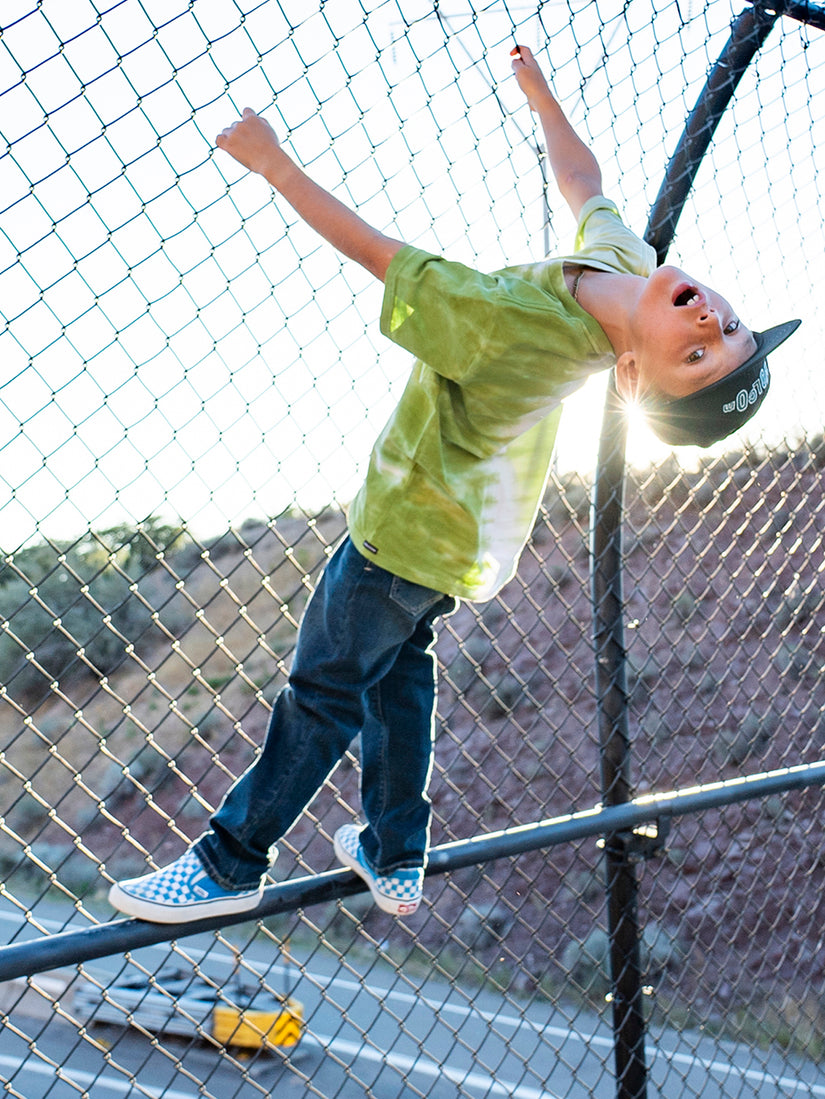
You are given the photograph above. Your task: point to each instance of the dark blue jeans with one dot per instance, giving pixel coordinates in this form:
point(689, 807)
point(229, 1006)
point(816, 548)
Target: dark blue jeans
point(363, 664)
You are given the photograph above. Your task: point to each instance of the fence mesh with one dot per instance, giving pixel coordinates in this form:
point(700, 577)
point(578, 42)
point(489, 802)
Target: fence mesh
point(191, 385)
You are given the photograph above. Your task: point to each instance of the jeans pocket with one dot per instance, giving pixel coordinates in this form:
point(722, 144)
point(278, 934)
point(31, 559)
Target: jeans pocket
point(415, 599)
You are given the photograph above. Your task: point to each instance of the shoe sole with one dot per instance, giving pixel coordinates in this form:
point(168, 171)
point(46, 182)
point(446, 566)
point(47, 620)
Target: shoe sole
point(386, 904)
point(180, 913)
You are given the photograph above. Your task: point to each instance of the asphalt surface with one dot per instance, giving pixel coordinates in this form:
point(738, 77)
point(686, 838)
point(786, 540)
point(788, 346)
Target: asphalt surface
point(368, 1033)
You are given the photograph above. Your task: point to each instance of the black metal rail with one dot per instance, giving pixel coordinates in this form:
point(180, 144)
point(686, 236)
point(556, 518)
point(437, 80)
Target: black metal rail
point(72, 947)
point(748, 34)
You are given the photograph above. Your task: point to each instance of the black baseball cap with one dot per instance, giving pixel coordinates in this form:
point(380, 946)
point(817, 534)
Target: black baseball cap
point(713, 413)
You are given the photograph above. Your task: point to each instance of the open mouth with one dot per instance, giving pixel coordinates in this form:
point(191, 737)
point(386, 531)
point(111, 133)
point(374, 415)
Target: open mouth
point(687, 295)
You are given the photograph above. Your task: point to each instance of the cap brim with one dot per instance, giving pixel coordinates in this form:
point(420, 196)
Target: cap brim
point(769, 340)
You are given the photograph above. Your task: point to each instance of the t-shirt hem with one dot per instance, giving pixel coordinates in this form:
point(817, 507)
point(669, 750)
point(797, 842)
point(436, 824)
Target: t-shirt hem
point(398, 566)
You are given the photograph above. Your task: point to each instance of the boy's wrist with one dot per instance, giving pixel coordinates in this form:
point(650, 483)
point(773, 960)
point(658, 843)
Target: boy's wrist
point(545, 103)
point(279, 169)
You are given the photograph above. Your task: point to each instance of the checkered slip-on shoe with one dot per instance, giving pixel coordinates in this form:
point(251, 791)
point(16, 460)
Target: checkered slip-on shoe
point(398, 892)
point(179, 892)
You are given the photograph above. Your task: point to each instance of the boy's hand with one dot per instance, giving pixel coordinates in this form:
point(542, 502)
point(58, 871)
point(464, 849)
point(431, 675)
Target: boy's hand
point(575, 168)
point(252, 142)
point(530, 78)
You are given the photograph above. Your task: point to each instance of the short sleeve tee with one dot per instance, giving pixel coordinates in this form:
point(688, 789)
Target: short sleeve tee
point(457, 475)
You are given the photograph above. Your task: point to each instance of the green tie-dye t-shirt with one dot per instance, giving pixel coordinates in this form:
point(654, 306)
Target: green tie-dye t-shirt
point(457, 475)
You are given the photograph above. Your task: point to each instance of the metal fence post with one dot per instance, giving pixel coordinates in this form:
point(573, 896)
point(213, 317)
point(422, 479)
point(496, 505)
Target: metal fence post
point(620, 874)
point(748, 33)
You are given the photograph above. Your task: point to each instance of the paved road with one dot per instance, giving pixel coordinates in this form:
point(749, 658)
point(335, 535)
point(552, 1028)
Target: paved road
point(369, 1033)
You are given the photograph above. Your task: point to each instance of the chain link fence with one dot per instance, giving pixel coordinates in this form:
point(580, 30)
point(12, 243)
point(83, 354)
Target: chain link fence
point(191, 385)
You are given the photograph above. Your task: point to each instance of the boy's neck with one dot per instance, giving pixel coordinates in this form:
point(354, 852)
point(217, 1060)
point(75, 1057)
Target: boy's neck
point(610, 298)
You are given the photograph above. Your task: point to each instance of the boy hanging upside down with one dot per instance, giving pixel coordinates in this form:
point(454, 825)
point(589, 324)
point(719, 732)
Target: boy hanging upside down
point(450, 497)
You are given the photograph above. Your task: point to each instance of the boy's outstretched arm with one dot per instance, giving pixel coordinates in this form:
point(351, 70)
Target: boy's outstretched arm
point(253, 143)
point(576, 170)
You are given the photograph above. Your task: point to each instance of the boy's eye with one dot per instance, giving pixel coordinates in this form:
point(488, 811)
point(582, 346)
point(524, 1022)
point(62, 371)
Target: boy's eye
point(699, 353)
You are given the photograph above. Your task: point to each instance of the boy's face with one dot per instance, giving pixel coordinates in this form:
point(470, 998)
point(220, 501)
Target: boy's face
point(685, 336)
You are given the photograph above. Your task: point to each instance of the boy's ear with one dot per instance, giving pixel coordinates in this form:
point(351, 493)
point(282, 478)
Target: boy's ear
point(627, 375)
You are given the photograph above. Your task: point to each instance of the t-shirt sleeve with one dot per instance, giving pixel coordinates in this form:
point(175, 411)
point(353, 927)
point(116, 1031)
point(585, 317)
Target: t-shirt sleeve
point(604, 240)
point(460, 321)
point(437, 309)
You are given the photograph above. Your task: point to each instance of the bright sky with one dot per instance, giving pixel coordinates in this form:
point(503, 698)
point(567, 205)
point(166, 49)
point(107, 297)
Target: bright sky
point(175, 343)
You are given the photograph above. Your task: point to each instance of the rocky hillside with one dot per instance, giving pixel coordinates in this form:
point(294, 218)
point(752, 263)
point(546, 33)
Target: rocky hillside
point(724, 587)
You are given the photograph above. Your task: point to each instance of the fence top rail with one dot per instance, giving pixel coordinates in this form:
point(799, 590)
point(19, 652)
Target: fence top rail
point(25, 959)
point(804, 11)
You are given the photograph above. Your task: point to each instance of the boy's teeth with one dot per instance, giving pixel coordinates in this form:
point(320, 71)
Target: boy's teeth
point(684, 299)
point(688, 296)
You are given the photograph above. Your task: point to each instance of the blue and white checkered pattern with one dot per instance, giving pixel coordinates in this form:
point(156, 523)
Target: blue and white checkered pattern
point(398, 892)
point(179, 892)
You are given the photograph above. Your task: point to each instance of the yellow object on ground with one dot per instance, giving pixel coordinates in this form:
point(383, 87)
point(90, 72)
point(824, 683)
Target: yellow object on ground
point(252, 1028)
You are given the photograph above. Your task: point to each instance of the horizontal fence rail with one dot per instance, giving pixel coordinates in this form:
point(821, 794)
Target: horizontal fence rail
point(118, 937)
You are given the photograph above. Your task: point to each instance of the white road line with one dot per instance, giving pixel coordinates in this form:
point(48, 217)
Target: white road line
point(408, 1065)
point(725, 1068)
point(86, 1079)
point(685, 1060)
